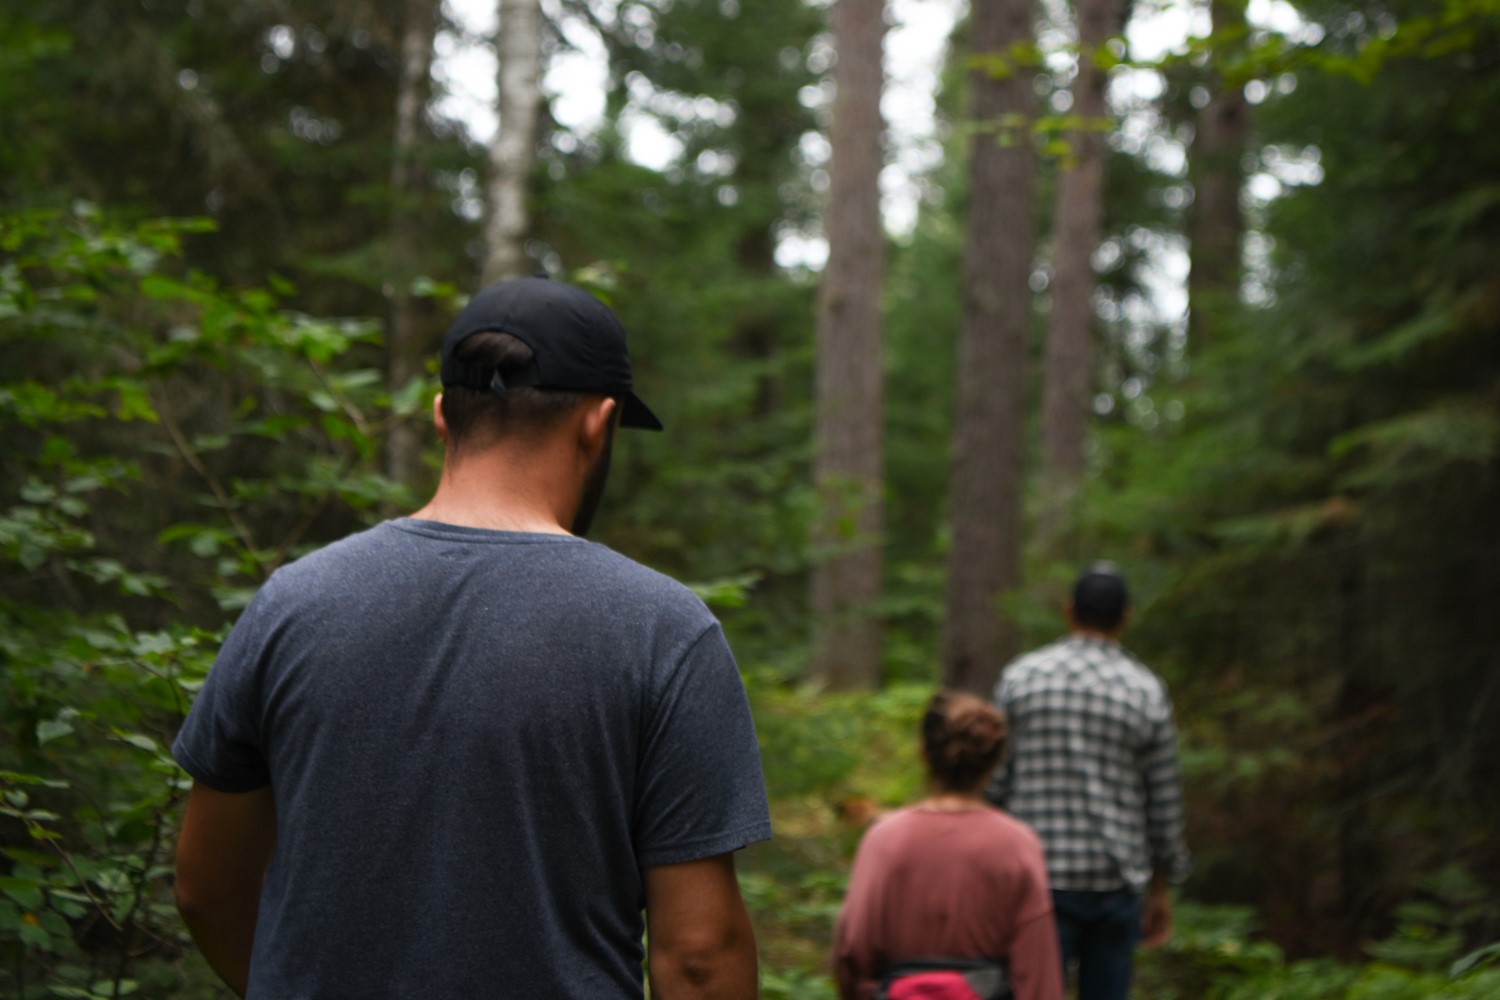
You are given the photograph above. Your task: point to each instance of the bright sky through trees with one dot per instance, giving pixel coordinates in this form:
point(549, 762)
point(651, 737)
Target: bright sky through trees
point(575, 81)
point(914, 50)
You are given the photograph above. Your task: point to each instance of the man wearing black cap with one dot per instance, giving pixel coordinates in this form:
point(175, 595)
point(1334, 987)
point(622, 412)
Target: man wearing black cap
point(458, 754)
point(1093, 769)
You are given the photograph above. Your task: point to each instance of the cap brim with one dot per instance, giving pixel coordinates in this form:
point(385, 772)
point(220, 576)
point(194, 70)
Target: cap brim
point(634, 413)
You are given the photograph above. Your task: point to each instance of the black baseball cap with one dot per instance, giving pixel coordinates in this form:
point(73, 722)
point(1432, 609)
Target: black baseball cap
point(578, 343)
point(1101, 588)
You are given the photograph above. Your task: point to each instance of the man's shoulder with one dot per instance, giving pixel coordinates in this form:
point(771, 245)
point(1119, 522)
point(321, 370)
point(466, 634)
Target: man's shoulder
point(367, 542)
point(615, 566)
point(633, 590)
point(1128, 669)
point(1046, 659)
point(401, 552)
point(312, 571)
point(1082, 662)
point(400, 537)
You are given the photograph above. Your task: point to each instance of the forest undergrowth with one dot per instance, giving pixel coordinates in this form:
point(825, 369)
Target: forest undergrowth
point(171, 440)
point(834, 762)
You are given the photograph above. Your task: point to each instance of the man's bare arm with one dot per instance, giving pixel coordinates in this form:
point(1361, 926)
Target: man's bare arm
point(700, 942)
point(222, 856)
point(1156, 914)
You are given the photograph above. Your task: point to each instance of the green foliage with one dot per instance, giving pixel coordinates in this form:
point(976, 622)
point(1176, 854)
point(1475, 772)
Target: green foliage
point(1217, 955)
point(1309, 540)
point(123, 538)
point(797, 984)
point(838, 745)
point(721, 337)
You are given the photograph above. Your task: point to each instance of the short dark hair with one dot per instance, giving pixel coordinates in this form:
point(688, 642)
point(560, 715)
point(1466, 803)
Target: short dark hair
point(963, 738)
point(1100, 597)
point(475, 416)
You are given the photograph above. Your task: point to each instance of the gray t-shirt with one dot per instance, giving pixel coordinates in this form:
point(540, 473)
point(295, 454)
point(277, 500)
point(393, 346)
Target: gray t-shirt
point(476, 741)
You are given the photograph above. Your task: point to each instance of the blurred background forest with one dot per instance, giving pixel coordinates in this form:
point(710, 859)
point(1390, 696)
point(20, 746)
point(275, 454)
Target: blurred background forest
point(1225, 310)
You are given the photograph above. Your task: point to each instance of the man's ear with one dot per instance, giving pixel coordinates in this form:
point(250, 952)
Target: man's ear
point(593, 428)
point(438, 420)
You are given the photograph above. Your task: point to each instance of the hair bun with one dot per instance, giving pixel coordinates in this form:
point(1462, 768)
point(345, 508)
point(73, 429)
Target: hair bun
point(963, 738)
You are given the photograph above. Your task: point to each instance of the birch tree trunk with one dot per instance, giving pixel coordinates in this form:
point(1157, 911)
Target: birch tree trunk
point(405, 345)
point(1067, 389)
point(849, 466)
point(513, 151)
point(1216, 223)
point(988, 459)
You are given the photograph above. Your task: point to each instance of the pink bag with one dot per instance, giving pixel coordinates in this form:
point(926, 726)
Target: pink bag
point(945, 979)
point(945, 985)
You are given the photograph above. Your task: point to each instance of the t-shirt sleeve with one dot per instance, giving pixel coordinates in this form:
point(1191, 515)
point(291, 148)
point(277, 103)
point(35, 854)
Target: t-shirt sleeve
point(220, 741)
point(700, 791)
point(1035, 964)
point(859, 952)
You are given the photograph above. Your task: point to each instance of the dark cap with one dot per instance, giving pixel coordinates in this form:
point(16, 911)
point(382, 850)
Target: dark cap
point(578, 343)
point(1100, 597)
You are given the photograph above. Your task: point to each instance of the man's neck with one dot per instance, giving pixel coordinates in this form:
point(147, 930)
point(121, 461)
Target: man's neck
point(490, 490)
point(492, 519)
point(1096, 635)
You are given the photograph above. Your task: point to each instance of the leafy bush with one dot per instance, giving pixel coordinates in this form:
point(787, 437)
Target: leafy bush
point(141, 505)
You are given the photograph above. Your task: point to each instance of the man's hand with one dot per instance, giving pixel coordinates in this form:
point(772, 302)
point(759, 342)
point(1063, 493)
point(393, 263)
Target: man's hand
point(222, 855)
point(700, 942)
point(1156, 915)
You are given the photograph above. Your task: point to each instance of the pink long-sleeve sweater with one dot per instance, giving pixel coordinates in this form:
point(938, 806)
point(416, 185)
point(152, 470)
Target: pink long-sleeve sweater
point(931, 883)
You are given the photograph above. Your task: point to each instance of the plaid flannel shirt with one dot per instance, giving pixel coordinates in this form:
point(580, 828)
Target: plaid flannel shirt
point(1093, 767)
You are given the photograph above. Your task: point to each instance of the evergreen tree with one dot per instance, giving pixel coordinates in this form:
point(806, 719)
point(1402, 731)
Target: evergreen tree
point(849, 463)
point(986, 481)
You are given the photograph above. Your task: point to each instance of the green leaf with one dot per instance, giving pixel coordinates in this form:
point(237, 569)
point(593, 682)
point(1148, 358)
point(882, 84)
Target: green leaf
point(37, 492)
point(134, 402)
point(156, 286)
point(206, 543)
point(18, 778)
point(34, 935)
point(51, 729)
point(24, 891)
point(140, 741)
point(1477, 959)
point(409, 399)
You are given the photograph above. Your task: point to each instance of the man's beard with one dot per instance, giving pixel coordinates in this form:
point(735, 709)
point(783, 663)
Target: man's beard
point(593, 487)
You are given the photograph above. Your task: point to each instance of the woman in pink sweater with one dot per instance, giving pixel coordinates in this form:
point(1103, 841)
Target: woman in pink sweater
point(951, 876)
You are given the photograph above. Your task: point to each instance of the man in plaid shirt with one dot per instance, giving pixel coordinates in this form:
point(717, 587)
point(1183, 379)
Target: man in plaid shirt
point(1093, 769)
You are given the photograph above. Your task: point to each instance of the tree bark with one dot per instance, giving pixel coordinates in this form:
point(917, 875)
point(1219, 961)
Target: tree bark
point(988, 460)
point(1216, 224)
point(1067, 389)
point(406, 345)
point(513, 151)
point(849, 466)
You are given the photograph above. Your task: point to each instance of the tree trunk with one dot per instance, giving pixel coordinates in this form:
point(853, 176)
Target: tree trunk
point(988, 460)
point(513, 151)
point(405, 344)
point(1068, 387)
point(849, 466)
point(1216, 224)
